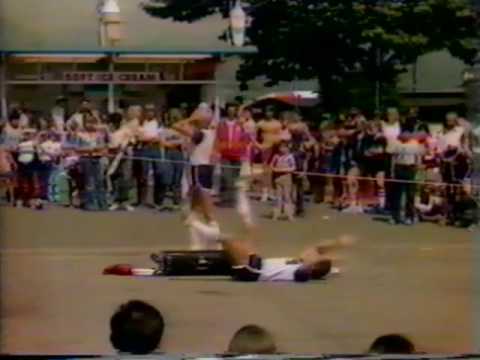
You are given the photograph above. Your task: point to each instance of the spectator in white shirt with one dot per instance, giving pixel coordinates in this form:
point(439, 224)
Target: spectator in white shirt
point(148, 148)
point(58, 114)
point(49, 151)
point(78, 118)
point(391, 130)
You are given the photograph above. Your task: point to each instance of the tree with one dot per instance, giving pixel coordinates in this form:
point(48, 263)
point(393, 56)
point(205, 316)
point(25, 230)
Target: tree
point(330, 39)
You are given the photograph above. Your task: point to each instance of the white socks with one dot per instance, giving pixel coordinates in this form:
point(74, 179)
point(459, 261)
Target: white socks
point(243, 204)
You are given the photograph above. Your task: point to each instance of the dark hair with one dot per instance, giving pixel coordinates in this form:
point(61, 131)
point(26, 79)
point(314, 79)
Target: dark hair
point(321, 269)
point(410, 124)
point(392, 344)
point(231, 104)
point(423, 127)
point(115, 119)
point(252, 339)
point(14, 115)
point(136, 328)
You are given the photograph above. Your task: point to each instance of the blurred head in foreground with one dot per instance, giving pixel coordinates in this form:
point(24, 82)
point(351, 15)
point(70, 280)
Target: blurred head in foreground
point(136, 328)
point(252, 339)
point(392, 344)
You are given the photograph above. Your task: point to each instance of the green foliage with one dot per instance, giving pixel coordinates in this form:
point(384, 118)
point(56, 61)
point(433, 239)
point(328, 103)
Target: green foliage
point(331, 39)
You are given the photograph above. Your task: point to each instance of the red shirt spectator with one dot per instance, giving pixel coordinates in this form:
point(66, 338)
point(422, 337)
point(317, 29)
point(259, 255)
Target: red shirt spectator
point(232, 140)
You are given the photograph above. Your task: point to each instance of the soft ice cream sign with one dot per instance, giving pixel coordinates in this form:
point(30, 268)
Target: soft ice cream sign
point(95, 77)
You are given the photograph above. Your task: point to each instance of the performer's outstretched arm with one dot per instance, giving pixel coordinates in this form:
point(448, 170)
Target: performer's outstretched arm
point(245, 211)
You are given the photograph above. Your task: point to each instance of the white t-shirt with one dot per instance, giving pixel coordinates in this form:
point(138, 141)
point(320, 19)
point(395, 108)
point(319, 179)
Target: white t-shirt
point(407, 153)
point(26, 152)
point(451, 138)
point(24, 121)
point(203, 236)
point(391, 132)
point(76, 118)
point(278, 269)
point(150, 129)
point(202, 153)
point(58, 116)
point(48, 150)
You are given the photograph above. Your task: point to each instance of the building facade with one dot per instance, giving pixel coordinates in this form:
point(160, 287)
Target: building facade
point(50, 48)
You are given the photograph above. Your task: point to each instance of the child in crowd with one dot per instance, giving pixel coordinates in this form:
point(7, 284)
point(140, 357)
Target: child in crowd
point(430, 204)
point(49, 150)
point(283, 166)
point(27, 190)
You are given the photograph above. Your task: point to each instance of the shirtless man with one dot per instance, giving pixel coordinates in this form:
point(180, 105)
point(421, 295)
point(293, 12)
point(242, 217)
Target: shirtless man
point(271, 130)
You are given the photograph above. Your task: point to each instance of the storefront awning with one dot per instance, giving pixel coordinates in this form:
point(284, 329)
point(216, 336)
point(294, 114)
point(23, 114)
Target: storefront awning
point(117, 55)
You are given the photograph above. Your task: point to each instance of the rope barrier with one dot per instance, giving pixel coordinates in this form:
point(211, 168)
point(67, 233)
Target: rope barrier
point(307, 173)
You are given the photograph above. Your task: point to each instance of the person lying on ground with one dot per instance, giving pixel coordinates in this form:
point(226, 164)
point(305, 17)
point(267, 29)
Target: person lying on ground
point(313, 263)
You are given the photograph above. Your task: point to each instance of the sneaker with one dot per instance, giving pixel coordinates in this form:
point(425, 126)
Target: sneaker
point(114, 207)
point(129, 208)
point(19, 204)
point(393, 222)
point(352, 209)
point(408, 222)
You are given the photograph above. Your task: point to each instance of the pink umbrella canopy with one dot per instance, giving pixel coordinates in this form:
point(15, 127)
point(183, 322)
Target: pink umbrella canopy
point(294, 98)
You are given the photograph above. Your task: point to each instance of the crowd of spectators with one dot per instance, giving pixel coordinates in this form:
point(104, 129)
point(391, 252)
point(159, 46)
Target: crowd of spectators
point(142, 156)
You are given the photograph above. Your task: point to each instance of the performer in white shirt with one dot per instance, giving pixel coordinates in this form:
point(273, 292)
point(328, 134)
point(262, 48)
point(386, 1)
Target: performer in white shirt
point(247, 266)
point(204, 229)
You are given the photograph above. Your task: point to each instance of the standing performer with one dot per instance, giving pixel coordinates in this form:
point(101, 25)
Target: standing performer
point(204, 229)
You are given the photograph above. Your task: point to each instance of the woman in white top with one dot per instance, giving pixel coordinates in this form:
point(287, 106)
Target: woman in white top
point(391, 130)
point(204, 229)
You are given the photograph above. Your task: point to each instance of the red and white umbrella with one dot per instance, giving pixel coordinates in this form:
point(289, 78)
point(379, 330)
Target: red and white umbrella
point(293, 98)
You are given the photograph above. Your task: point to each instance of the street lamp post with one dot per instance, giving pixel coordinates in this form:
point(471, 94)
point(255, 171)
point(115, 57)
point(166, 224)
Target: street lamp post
point(238, 23)
point(110, 23)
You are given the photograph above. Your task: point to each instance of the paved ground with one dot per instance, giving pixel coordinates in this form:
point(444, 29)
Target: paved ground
point(417, 281)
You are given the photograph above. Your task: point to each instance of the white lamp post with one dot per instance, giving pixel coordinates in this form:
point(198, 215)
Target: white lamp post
point(238, 22)
point(110, 23)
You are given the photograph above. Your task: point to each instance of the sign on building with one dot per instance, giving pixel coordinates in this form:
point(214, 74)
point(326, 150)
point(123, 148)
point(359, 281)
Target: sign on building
point(97, 77)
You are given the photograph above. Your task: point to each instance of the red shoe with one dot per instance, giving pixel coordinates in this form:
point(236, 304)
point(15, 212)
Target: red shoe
point(119, 269)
